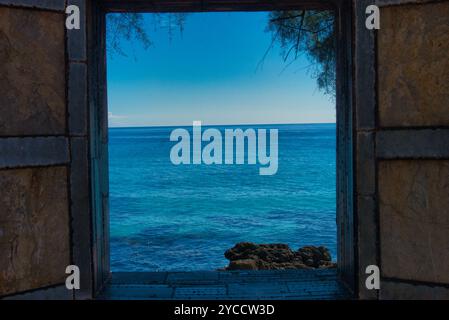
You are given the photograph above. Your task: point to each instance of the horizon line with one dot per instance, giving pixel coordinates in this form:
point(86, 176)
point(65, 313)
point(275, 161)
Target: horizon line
point(211, 125)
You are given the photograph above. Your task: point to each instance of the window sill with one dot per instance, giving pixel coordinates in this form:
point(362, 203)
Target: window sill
point(226, 285)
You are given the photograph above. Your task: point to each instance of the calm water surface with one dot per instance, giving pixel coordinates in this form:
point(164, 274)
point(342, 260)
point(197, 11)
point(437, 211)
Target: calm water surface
point(166, 217)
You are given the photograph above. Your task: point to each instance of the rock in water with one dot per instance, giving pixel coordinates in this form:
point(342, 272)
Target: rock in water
point(278, 256)
point(243, 264)
point(315, 257)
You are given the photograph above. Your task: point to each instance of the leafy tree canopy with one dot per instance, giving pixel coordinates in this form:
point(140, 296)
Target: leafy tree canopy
point(310, 33)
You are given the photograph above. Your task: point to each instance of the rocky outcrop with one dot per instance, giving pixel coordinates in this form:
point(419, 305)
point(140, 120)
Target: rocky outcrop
point(251, 256)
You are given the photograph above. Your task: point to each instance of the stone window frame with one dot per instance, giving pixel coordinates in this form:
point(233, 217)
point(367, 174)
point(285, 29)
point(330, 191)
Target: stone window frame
point(362, 144)
point(98, 257)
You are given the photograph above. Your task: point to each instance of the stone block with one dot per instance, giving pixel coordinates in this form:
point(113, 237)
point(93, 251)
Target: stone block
point(413, 65)
point(32, 81)
point(366, 166)
point(365, 70)
point(414, 219)
point(367, 242)
point(48, 293)
point(34, 228)
point(81, 217)
point(33, 151)
point(39, 4)
point(77, 99)
point(76, 38)
point(420, 143)
point(407, 291)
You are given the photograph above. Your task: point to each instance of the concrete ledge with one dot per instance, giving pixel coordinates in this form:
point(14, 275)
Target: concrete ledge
point(366, 166)
point(198, 5)
point(228, 285)
point(367, 240)
point(59, 292)
point(394, 290)
point(416, 143)
point(29, 151)
point(77, 99)
point(76, 39)
point(81, 218)
point(58, 5)
point(365, 71)
point(384, 3)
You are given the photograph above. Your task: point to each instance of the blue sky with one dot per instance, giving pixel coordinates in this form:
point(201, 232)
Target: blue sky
point(211, 72)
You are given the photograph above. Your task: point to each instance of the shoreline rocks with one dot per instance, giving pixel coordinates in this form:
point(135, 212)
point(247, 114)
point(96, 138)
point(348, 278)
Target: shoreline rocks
point(277, 256)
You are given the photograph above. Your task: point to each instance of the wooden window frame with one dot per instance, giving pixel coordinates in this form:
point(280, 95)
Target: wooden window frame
point(98, 127)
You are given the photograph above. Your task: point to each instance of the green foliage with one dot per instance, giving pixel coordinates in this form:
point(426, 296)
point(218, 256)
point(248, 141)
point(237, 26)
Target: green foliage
point(125, 26)
point(311, 33)
point(134, 27)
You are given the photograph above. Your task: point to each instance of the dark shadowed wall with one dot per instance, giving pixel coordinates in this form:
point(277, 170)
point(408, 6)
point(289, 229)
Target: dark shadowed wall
point(44, 177)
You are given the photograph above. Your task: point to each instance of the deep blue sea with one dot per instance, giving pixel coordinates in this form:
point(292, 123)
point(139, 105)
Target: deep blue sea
point(165, 217)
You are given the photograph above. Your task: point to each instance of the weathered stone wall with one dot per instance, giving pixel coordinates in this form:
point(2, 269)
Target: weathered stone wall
point(414, 219)
point(403, 150)
point(32, 90)
point(34, 219)
point(401, 154)
point(413, 47)
point(34, 206)
point(413, 194)
point(43, 149)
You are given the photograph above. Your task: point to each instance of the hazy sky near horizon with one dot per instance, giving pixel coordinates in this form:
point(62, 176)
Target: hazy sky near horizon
point(211, 72)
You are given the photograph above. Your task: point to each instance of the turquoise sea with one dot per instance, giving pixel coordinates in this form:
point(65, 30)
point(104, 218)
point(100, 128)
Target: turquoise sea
point(165, 217)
